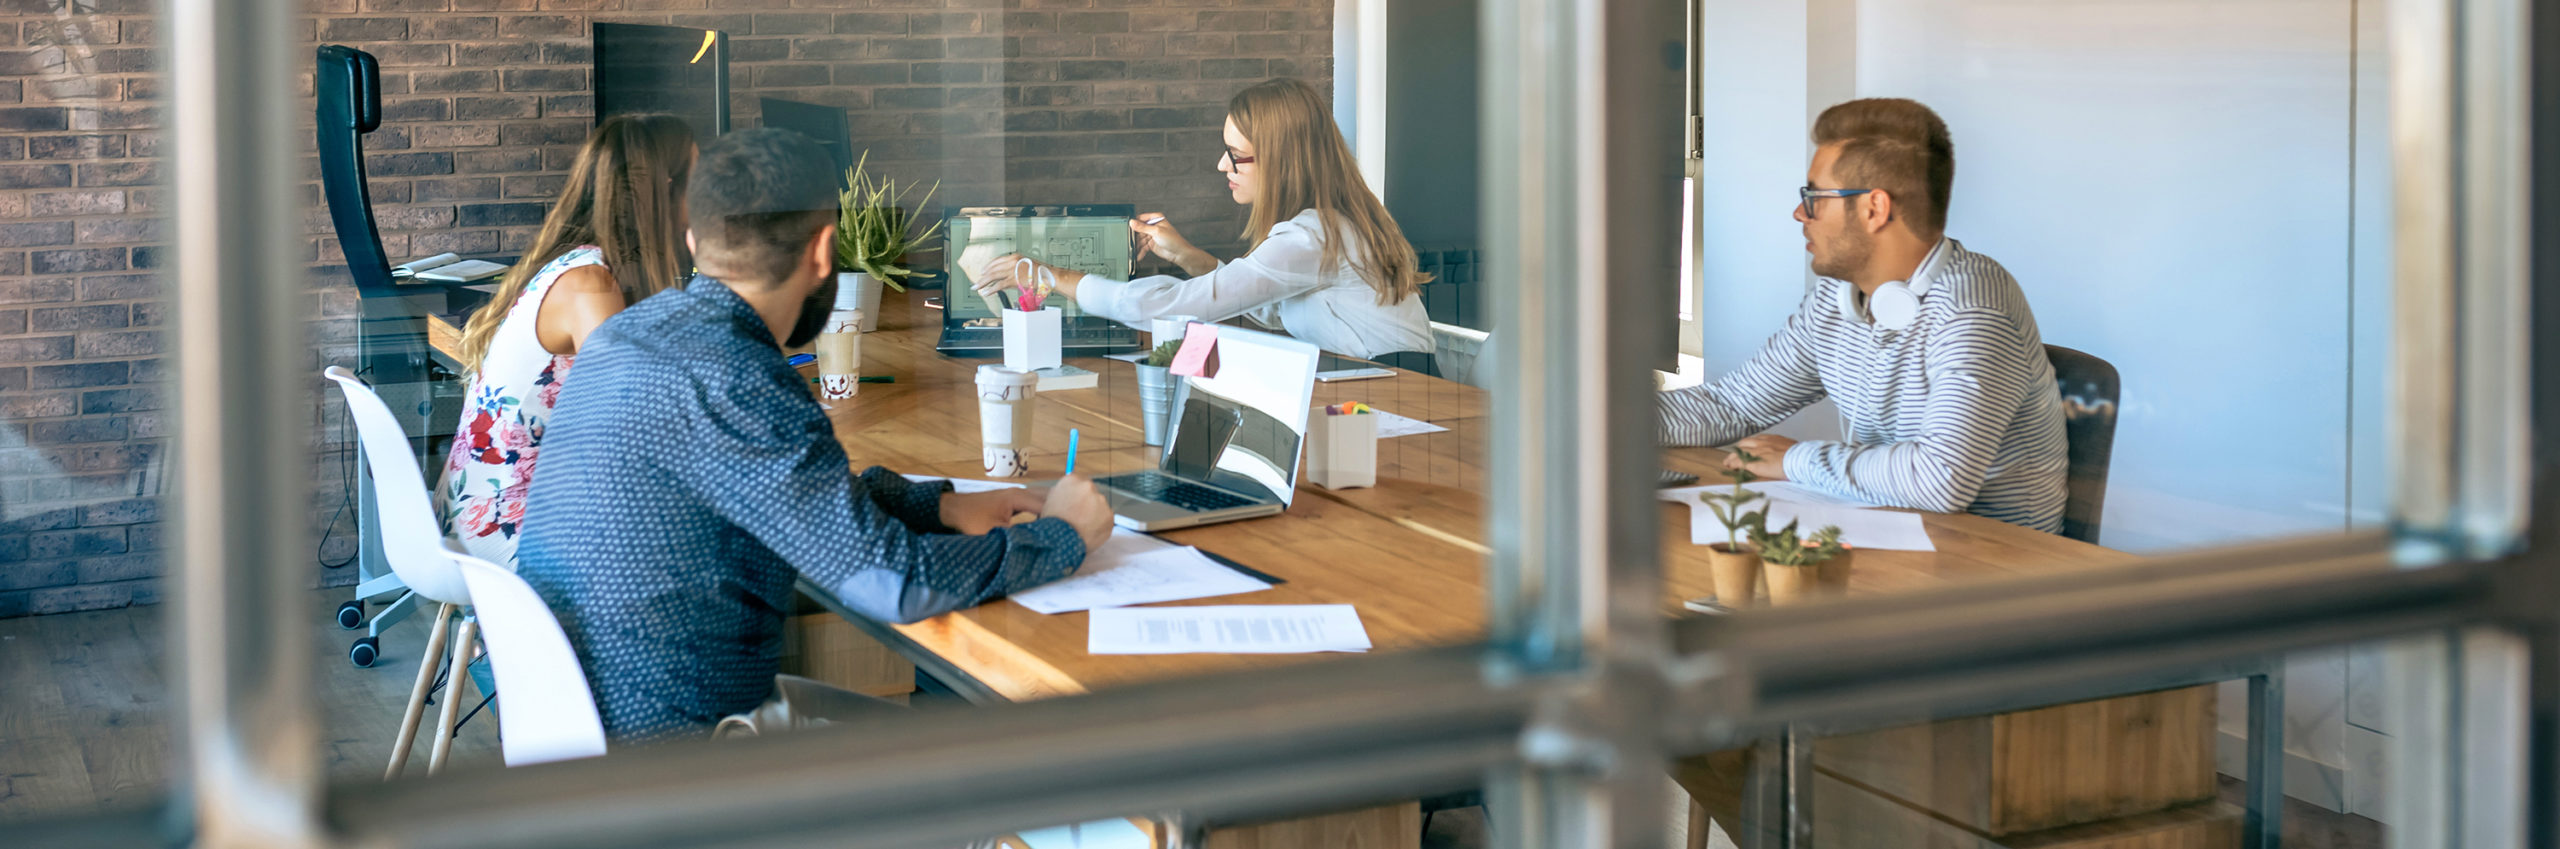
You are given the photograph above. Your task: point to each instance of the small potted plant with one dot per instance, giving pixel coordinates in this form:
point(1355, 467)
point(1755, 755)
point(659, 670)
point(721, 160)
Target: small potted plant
point(1736, 567)
point(872, 240)
point(1155, 390)
point(1794, 561)
point(1832, 576)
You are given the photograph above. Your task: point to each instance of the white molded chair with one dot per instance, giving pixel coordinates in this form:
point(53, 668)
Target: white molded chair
point(414, 544)
point(549, 714)
point(1465, 355)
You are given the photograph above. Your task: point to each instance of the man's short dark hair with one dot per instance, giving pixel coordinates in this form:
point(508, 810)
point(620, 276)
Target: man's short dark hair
point(756, 199)
point(1896, 145)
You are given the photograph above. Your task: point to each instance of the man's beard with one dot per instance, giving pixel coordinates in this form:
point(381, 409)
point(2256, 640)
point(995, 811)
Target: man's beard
point(813, 315)
point(1844, 256)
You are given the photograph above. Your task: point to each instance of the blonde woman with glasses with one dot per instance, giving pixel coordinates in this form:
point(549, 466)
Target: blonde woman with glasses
point(1327, 264)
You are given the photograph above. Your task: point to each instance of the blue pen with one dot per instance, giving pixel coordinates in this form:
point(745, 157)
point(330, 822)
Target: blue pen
point(1072, 436)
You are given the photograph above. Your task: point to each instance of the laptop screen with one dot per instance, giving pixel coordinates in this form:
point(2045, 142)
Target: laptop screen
point(1251, 417)
point(1094, 239)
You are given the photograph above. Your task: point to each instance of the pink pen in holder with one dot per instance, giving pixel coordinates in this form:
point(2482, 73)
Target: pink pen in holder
point(1034, 336)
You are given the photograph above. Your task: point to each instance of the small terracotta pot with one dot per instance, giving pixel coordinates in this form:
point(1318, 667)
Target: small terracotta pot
point(1832, 576)
point(1737, 575)
point(1790, 584)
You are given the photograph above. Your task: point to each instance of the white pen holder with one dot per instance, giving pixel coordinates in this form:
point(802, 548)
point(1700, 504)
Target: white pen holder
point(1032, 339)
point(1342, 451)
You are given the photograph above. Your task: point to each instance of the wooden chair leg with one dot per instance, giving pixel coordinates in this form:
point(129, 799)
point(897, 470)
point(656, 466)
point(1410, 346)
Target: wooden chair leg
point(454, 680)
point(427, 664)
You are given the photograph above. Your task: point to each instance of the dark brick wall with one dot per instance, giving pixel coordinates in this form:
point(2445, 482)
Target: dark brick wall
point(1002, 101)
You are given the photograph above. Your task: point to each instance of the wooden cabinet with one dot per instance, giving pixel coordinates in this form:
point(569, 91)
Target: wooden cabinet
point(2134, 772)
point(824, 647)
point(1847, 815)
point(2041, 769)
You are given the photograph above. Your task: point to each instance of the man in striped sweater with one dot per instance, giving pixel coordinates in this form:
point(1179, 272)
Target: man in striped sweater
point(1946, 398)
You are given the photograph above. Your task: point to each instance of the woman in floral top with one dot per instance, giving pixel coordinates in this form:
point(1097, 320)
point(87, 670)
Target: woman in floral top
point(616, 236)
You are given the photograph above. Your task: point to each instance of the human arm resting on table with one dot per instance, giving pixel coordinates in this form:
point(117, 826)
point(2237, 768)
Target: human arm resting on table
point(1774, 384)
point(875, 540)
point(1975, 378)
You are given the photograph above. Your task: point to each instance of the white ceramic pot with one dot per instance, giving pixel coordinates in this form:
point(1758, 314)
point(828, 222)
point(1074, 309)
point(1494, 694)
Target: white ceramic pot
point(859, 290)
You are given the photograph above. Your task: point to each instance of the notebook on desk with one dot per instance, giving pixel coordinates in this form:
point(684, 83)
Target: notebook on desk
point(1092, 238)
point(446, 268)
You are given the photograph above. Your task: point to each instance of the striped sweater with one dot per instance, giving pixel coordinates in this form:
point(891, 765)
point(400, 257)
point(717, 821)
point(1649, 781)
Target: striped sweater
point(1957, 413)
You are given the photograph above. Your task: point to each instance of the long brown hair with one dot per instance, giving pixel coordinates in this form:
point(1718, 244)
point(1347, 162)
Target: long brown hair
point(625, 195)
point(1306, 165)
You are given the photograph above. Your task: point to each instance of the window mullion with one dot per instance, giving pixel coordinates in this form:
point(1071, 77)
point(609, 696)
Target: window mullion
point(241, 646)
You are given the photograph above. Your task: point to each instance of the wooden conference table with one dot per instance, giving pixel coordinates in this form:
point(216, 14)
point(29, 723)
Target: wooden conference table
point(1408, 553)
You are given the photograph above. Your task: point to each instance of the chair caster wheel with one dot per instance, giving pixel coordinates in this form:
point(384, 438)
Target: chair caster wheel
point(351, 615)
point(365, 651)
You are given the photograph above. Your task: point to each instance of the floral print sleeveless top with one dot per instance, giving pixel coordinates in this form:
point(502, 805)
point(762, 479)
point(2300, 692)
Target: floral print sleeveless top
point(490, 469)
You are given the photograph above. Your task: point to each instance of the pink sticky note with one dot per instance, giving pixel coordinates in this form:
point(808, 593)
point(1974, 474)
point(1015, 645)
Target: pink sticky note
point(1198, 356)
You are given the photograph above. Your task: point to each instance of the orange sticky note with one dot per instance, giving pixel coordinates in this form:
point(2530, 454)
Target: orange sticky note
point(1198, 356)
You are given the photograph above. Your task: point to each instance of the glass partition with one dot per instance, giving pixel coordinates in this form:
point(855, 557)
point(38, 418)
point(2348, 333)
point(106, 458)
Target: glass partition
point(1479, 605)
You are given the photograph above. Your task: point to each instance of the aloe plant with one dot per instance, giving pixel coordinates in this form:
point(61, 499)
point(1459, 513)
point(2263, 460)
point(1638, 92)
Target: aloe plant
point(1728, 507)
point(871, 232)
point(1163, 354)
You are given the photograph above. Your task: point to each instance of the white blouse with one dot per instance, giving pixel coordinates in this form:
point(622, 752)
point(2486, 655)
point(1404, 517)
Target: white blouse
point(1281, 286)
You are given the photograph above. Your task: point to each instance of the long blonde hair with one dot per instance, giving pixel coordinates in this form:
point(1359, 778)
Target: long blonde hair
point(625, 195)
point(1305, 165)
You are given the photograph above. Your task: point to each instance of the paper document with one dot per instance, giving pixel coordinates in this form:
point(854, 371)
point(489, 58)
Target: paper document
point(1771, 490)
point(1860, 528)
point(965, 484)
point(1115, 576)
point(1391, 425)
point(1122, 545)
point(1227, 629)
point(1098, 834)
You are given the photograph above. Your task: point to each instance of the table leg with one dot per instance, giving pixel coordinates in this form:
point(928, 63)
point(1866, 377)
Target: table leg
point(2264, 828)
point(1799, 767)
point(1764, 798)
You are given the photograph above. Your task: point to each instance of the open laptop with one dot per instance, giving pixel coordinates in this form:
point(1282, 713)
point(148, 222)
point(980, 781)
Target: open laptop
point(1092, 238)
point(1235, 443)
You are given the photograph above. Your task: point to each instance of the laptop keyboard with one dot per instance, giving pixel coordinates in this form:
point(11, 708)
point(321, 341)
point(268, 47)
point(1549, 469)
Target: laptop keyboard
point(1157, 486)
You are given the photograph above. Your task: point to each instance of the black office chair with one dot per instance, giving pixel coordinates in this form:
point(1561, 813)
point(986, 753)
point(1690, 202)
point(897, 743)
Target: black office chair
point(2089, 390)
point(348, 83)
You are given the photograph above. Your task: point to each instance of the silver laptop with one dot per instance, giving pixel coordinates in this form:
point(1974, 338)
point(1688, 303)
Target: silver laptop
point(1235, 443)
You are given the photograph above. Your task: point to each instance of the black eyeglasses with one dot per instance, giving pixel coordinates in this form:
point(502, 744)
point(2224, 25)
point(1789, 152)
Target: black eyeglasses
point(1806, 196)
point(1230, 159)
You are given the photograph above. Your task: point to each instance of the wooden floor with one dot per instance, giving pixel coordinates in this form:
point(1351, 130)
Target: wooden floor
point(83, 720)
point(84, 706)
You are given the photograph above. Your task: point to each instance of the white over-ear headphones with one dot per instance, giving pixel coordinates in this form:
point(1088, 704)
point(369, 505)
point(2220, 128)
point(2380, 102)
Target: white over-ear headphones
point(1893, 305)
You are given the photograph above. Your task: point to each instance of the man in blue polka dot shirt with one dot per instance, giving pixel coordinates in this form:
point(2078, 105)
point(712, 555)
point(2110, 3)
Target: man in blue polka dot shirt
point(688, 477)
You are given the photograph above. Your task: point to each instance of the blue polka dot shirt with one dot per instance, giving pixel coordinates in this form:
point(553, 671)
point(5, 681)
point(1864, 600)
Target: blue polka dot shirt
point(688, 478)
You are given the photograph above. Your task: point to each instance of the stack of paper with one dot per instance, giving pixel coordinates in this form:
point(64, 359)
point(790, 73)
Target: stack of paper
point(1227, 629)
point(1134, 568)
point(1860, 526)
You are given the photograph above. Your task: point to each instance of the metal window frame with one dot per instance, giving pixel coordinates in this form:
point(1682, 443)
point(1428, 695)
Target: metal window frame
point(1583, 691)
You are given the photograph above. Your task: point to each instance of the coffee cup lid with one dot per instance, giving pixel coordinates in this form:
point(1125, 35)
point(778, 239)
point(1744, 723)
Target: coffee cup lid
point(1001, 376)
